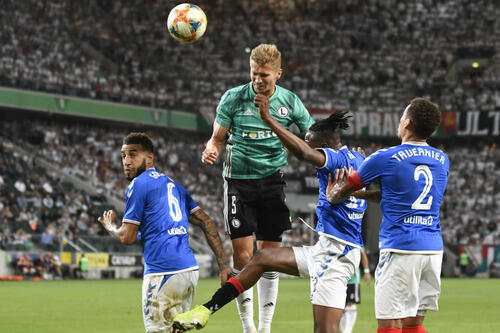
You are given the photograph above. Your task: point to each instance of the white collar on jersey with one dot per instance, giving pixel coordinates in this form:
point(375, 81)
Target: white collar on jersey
point(415, 143)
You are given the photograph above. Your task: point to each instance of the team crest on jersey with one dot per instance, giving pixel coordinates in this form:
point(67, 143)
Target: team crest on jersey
point(235, 223)
point(155, 174)
point(283, 111)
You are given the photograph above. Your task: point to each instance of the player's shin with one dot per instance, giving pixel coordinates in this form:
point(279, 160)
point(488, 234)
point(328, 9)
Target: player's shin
point(342, 322)
point(348, 318)
point(267, 288)
point(244, 303)
point(231, 289)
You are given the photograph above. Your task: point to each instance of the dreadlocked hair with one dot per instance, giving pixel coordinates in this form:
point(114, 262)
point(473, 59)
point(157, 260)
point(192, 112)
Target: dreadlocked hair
point(337, 120)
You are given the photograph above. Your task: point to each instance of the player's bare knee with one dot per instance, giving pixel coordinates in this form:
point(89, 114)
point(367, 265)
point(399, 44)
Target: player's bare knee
point(259, 257)
point(262, 258)
point(241, 258)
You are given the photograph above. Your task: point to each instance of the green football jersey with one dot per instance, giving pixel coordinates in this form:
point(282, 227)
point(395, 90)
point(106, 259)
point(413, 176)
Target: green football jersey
point(253, 150)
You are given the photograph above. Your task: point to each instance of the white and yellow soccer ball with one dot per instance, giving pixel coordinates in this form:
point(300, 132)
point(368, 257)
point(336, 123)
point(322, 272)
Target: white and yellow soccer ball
point(186, 23)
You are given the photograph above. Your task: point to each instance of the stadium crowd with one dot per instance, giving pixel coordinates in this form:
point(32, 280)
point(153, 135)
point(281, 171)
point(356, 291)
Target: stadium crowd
point(471, 205)
point(354, 54)
point(39, 265)
point(36, 206)
point(36, 201)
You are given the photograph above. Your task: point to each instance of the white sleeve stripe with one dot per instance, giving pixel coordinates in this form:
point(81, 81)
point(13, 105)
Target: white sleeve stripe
point(131, 221)
point(326, 158)
point(194, 209)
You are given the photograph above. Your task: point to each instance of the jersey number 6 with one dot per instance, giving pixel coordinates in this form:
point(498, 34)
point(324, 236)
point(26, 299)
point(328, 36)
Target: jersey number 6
point(173, 203)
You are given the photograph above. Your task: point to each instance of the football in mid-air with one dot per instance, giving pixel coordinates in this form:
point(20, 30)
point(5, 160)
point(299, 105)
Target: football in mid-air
point(186, 23)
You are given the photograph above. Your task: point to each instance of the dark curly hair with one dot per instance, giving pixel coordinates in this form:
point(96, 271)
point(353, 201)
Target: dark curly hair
point(337, 120)
point(425, 117)
point(139, 138)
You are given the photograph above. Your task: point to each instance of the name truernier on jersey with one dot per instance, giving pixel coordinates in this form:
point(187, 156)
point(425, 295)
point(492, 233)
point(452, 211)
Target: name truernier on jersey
point(411, 152)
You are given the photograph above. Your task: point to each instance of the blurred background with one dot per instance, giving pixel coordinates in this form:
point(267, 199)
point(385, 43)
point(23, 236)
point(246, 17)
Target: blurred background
point(77, 76)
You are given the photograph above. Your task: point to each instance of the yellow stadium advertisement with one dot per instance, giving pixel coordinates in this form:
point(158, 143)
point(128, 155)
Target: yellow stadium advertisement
point(95, 259)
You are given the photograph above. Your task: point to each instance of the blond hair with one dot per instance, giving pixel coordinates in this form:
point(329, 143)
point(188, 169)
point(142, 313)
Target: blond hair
point(266, 54)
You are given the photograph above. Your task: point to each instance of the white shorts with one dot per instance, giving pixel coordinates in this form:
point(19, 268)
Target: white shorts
point(165, 296)
point(330, 264)
point(407, 285)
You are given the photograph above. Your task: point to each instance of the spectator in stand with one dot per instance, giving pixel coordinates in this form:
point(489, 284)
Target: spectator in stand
point(53, 265)
point(48, 202)
point(20, 237)
point(6, 213)
point(23, 216)
point(20, 186)
point(47, 265)
point(39, 265)
point(24, 266)
point(48, 239)
point(21, 201)
point(5, 238)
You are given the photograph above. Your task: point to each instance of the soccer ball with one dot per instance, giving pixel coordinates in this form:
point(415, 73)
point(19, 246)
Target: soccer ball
point(186, 23)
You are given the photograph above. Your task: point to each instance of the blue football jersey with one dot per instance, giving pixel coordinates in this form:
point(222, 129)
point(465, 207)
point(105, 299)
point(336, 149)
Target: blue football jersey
point(342, 221)
point(413, 179)
point(161, 207)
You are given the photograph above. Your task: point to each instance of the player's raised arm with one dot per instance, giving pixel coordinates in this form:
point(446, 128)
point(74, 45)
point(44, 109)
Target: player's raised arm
point(201, 219)
point(293, 143)
point(335, 183)
point(372, 195)
point(126, 233)
point(214, 145)
point(338, 188)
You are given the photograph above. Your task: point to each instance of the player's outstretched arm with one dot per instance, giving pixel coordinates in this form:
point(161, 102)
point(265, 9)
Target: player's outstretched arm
point(214, 145)
point(293, 143)
point(372, 195)
point(338, 189)
point(201, 219)
point(126, 233)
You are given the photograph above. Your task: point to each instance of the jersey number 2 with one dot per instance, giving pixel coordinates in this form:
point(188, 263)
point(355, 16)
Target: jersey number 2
point(173, 203)
point(426, 172)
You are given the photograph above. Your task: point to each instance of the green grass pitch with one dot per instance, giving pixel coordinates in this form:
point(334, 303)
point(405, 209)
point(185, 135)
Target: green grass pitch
point(109, 306)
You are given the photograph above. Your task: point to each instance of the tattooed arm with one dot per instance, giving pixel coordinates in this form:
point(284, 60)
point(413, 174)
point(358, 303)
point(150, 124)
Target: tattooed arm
point(201, 219)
